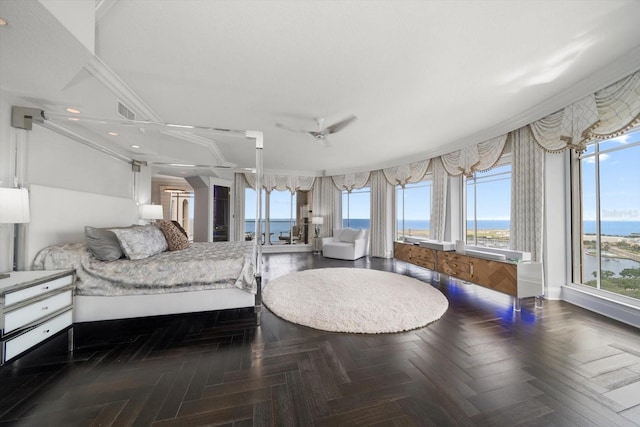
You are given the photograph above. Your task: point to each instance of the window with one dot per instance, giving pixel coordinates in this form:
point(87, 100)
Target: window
point(609, 216)
point(282, 214)
point(356, 208)
point(488, 207)
point(413, 209)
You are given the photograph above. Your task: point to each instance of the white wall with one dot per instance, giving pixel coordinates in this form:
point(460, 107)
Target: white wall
point(47, 158)
point(57, 161)
point(556, 237)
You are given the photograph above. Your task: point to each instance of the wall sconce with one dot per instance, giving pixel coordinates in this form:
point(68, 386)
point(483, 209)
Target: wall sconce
point(14, 209)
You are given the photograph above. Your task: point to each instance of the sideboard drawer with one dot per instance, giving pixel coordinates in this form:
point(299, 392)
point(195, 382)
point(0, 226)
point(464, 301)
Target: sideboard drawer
point(460, 270)
point(423, 257)
point(23, 342)
point(23, 316)
point(37, 290)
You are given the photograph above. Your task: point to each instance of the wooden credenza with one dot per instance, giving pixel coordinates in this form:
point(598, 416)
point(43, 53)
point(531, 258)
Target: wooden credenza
point(518, 279)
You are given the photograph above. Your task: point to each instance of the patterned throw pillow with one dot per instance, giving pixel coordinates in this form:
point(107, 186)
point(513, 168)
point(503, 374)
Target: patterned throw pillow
point(175, 238)
point(141, 242)
point(182, 230)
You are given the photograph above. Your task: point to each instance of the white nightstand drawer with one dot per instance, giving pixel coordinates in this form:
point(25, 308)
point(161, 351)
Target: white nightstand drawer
point(35, 290)
point(32, 312)
point(23, 342)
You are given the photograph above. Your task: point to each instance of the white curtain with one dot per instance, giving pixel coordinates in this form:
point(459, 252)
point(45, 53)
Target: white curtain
point(381, 233)
point(475, 158)
point(351, 181)
point(238, 207)
point(438, 200)
point(325, 197)
point(404, 174)
point(527, 194)
point(282, 182)
point(605, 114)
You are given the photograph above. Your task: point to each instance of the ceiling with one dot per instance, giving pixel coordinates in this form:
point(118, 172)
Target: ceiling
point(422, 77)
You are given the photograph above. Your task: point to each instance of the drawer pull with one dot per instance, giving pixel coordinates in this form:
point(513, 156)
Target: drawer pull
point(471, 265)
point(46, 331)
point(45, 288)
point(45, 308)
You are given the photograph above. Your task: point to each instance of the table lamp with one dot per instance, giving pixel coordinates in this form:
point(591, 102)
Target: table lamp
point(14, 209)
point(317, 221)
point(151, 212)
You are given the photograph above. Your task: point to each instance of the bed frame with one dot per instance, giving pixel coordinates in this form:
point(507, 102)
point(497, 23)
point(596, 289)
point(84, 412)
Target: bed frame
point(53, 222)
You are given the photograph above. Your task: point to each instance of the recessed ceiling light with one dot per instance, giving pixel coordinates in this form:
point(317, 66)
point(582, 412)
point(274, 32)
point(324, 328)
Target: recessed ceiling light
point(3, 22)
point(113, 133)
point(135, 146)
point(74, 119)
point(73, 110)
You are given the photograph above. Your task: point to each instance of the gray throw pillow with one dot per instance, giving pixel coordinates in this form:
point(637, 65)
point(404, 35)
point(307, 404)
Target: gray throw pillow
point(103, 244)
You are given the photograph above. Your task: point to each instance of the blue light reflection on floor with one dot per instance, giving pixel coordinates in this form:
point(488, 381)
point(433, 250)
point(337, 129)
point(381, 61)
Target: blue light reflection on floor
point(501, 305)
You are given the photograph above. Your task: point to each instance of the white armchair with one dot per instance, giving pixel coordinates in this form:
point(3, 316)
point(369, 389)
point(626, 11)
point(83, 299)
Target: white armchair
point(346, 243)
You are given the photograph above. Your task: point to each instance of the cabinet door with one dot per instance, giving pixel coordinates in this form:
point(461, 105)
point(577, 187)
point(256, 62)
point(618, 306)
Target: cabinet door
point(402, 251)
point(499, 276)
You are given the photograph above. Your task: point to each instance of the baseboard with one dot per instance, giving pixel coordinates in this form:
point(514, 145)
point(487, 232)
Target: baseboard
point(624, 313)
point(276, 249)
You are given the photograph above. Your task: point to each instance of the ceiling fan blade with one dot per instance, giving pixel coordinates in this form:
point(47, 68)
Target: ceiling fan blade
point(340, 125)
point(285, 127)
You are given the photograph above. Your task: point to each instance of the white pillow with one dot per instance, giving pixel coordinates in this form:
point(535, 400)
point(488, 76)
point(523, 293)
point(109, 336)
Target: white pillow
point(349, 235)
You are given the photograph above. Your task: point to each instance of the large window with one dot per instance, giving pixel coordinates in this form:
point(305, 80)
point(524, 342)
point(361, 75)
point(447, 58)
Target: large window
point(356, 208)
point(609, 219)
point(283, 216)
point(413, 209)
point(488, 207)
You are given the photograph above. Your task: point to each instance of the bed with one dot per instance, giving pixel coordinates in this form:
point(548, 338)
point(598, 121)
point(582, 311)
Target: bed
point(202, 277)
point(170, 282)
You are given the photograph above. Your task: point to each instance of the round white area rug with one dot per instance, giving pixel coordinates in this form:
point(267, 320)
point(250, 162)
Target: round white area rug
point(354, 300)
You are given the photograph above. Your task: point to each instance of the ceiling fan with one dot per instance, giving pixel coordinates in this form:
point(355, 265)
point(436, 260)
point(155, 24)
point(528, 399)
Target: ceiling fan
point(322, 133)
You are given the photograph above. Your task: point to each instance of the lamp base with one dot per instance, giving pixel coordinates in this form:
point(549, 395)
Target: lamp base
point(4, 275)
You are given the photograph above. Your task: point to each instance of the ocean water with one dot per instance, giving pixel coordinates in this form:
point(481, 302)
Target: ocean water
point(609, 228)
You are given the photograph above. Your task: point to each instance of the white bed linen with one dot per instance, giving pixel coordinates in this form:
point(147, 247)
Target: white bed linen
point(202, 266)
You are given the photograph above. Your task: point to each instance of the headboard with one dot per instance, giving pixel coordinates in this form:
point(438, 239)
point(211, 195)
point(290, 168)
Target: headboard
point(59, 216)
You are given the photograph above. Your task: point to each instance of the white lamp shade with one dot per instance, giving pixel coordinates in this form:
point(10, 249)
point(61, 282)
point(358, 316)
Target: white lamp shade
point(151, 212)
point(317, 220)
point(14, 205)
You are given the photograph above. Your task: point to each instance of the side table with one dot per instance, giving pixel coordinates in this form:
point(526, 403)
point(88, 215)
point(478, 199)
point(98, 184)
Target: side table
point(34, 306)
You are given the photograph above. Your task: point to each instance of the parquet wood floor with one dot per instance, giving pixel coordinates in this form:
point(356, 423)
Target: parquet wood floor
point(481, 364)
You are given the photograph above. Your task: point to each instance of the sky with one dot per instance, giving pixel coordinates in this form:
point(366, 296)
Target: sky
point(619, 180)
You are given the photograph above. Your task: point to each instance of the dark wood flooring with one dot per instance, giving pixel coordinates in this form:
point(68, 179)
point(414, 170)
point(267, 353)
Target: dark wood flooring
point(480, 364)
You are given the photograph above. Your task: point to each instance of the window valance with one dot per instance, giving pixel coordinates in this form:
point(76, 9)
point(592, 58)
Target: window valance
point(351, 181)
point(605, 114)
point(282, 182)
point(475, 158)
point(404, 174)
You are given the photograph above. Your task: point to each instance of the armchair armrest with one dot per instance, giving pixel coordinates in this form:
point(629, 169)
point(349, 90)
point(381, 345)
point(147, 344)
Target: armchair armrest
point(326, 240)
point(360, 246)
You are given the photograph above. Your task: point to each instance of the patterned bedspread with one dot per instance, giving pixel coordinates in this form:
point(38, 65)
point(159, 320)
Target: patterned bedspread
point(202, 266)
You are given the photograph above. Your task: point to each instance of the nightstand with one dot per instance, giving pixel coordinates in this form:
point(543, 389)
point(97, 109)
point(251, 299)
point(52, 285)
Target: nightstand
point(34, 306)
